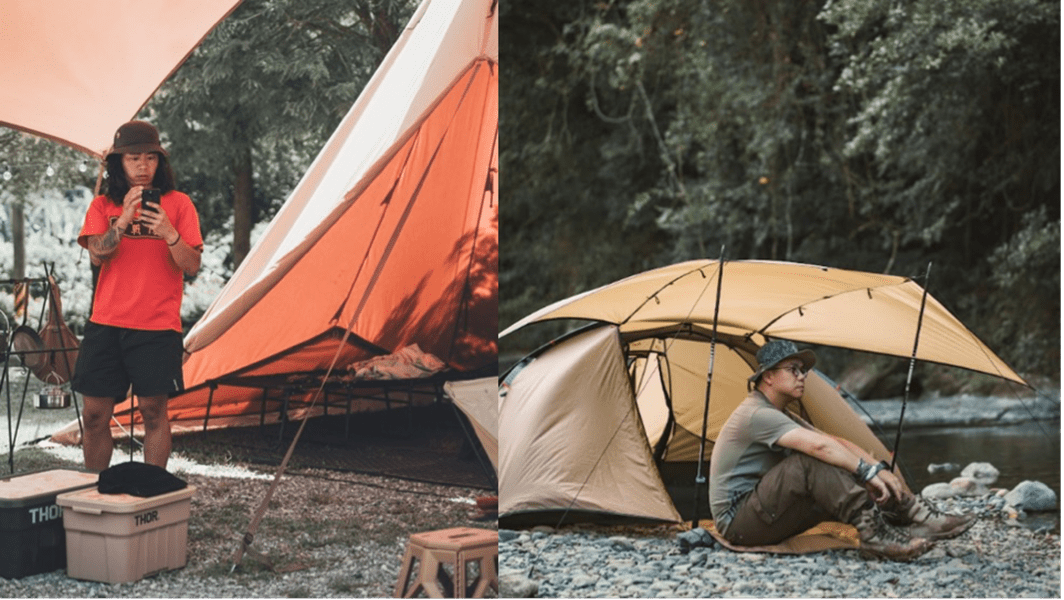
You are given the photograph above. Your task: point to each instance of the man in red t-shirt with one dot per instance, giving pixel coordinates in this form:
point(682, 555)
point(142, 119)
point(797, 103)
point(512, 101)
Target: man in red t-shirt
point(133, 337)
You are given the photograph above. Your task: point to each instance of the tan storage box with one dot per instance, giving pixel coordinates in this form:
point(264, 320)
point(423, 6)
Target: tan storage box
point(117, 538)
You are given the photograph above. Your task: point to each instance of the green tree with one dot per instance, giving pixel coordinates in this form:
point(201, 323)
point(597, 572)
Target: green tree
point(29, 165)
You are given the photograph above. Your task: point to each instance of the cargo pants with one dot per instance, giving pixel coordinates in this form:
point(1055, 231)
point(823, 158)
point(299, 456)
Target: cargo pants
point(793, 496)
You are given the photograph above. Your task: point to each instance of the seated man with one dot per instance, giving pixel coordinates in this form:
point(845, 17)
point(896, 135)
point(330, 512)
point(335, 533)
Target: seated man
point(773, 475)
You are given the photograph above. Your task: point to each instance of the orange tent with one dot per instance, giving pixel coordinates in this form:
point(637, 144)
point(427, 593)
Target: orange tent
point(389, 242)
point(58, 58)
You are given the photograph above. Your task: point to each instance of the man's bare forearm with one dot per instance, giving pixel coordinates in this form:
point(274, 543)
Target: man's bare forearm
point(103, 245)
point(859, 451)
point(186, 257)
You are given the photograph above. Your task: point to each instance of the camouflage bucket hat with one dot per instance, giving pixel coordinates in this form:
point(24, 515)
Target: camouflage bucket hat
point(775, 352)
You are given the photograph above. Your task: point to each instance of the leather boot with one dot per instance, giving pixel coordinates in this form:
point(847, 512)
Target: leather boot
point(883, 540)
point(920, 518)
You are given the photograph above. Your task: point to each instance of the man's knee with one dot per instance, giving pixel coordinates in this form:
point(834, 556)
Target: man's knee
point(154, 411)
point(97, 413)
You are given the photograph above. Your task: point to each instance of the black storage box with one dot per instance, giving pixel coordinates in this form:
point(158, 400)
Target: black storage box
point(32, 537)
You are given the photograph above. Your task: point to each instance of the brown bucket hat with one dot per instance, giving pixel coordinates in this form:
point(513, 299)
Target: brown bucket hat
point(135, 137)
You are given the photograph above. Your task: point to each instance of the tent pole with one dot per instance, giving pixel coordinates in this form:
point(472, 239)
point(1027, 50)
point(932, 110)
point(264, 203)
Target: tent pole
point(912, 363)
point(700, 479)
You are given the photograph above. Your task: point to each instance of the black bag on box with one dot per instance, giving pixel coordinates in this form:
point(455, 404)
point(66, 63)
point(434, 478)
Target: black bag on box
point(139, 479)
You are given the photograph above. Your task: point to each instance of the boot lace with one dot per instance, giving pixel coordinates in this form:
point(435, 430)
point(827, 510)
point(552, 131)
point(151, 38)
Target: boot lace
point(888, 533)
point(932, 510)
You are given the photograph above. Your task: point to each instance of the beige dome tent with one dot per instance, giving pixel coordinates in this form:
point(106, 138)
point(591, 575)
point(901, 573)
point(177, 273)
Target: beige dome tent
point(587, 424)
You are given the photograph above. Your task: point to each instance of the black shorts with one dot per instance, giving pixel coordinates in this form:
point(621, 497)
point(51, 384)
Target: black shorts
point(110, 359)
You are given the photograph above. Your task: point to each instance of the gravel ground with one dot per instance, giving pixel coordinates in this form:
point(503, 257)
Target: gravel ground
point(325, 535)
point(997, 558)
point(327, 532)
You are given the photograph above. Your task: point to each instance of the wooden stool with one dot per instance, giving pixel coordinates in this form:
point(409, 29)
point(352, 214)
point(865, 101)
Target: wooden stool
point(455, 547)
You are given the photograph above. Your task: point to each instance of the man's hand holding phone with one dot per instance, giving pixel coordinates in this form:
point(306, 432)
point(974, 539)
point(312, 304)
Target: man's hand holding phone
point(149, 199)
point(152, 215)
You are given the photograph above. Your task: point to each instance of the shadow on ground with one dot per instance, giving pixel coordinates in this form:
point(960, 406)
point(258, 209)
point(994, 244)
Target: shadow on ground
point(426, 443)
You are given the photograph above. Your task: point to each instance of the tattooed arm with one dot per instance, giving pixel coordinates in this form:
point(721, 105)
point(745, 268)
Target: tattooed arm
point(102, 246)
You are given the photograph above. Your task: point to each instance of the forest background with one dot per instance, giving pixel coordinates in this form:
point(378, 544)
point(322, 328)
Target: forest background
point(866, 134)
point(858, 134)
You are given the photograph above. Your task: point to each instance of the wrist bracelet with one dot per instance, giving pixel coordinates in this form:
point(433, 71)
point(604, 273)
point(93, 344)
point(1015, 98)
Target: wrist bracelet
point(861, 471)
point(872, 471)
point(175, 241)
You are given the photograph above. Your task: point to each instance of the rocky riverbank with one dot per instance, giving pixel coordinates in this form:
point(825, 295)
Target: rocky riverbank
point(997, 558)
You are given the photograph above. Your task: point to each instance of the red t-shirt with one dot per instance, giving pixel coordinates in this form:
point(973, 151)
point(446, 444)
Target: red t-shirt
point(140, 286)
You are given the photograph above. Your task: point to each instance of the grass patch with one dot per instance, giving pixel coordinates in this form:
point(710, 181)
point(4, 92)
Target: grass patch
point(36, 459)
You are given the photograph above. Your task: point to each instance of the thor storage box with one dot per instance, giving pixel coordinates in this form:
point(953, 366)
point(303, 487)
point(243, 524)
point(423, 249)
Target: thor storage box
point(118, 538)
point(31, 524)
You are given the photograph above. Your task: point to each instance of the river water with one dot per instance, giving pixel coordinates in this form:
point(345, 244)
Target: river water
point(1029, 451)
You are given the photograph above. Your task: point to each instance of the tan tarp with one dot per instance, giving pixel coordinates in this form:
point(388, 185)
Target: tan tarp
point(74, 71)
point(392, 233)
point(571, 436)
point(479, 400)
point(803, 303)
point(828, 535)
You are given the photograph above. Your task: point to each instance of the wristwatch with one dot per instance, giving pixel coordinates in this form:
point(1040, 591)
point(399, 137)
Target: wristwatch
point(866, 472)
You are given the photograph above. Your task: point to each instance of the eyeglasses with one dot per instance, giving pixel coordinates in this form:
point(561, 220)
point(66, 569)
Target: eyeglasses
point(795, 370)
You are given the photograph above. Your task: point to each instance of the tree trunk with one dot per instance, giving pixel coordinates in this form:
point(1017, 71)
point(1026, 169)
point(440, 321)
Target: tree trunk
point(242, 205)
point(18, 239)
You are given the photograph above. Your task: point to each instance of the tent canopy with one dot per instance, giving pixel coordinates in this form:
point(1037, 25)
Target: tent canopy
point(58, 58)
point(803, 303)
point(391, 235)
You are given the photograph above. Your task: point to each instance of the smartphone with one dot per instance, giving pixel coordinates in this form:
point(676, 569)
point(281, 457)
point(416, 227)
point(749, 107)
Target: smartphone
point(149, 195)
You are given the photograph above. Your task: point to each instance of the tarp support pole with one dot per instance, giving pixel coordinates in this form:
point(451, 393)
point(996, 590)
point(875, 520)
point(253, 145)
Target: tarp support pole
point(700, 479)
point(912, 364)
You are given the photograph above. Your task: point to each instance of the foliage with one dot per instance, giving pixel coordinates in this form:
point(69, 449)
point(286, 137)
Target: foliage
point(868, 135)
point(29, 164)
